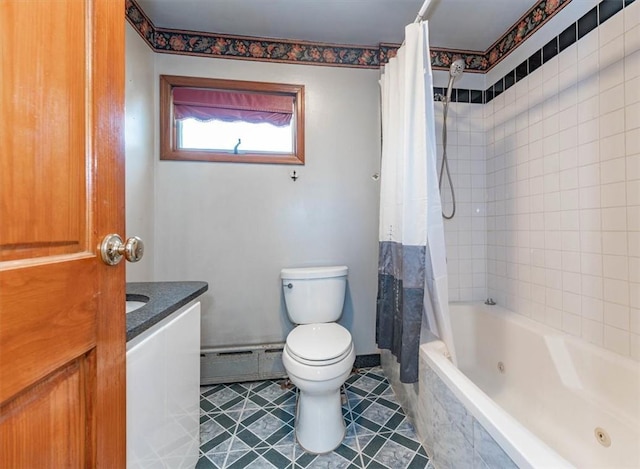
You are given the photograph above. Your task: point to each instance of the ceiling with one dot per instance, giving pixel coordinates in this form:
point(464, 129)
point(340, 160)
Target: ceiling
point(472, 25)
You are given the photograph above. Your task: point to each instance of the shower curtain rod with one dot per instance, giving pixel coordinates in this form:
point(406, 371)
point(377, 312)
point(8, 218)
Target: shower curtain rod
point(423, 10)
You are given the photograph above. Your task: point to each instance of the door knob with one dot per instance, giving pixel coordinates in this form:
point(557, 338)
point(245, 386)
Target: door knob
point(113, 249)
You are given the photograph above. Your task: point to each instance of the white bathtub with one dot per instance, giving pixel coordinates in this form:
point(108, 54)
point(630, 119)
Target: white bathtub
point(541, 395)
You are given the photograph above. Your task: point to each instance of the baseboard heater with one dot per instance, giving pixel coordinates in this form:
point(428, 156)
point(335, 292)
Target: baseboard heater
point(237, 363)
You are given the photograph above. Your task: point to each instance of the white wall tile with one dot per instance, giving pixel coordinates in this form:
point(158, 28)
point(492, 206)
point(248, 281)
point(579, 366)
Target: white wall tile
point(631, 16)
point(634, 295)
point(563, 184)
point(632, 90)
point(634, 347)
point(632, 65)
point(592, 286)
point(611, 53)
point(614, 243)
point(634, 320)
point(633, 243)
point(592, 309)
point(588, 44)
point(571, 324)
point(612, 147)
point(617, 316)
point(632, 40)
point(588, 109)
point(632, 141)
point(613, 171)
point(612, 123)
point(590, 197)
point(614, 219)
point(593, 332)
point(588, 78)
point(588, 131)
point(615, 267)
point(589, 175)
point(613, 195)
point(571, 282)
point(591, 263)
point(611, 99)
point(571, 262)
point(634, 270)
point(616, 340)
point(632, 116)
point(616, 291)
point(588, 153)
point(591, 241)
point(633, 218)
point(611, 29)
point(590, 220)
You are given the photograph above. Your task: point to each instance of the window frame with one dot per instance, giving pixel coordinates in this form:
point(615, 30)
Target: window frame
point(168, 125)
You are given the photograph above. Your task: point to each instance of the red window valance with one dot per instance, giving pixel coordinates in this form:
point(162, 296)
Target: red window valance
point(231, 106)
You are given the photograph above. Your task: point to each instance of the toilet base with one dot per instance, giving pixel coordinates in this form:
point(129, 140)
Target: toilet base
point(319, 427)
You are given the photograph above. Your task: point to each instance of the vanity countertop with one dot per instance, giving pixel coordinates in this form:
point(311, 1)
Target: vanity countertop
point(164, 299)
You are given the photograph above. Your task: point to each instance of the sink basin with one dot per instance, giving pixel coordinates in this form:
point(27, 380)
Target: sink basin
point(135, 302)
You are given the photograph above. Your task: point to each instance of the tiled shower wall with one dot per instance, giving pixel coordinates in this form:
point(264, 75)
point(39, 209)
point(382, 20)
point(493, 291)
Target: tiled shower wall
point(563, 192)
point(465, 233)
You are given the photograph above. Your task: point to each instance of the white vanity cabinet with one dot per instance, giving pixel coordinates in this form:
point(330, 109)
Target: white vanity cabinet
point(163, 393)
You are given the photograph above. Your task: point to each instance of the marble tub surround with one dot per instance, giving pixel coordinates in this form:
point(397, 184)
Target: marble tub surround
point(451, 436)
point(164, 299)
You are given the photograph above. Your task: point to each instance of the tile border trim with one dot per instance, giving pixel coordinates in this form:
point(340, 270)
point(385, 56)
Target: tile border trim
point(591, 20)
point(349, 56)
point(173, 41)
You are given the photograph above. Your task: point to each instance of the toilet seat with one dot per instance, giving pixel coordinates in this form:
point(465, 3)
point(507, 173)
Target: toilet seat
point(319, 344)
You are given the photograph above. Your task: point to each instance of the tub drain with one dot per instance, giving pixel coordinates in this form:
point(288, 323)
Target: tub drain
point(501, 367)
point(602, 436)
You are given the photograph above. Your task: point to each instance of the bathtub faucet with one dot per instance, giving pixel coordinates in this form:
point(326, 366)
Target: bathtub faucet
point(490, 302)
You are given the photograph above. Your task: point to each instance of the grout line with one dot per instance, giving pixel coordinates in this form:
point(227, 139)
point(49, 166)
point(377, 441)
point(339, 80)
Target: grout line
point(355, 430)
point(235, 430)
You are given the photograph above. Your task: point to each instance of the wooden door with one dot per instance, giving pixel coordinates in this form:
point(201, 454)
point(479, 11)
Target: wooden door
point(62, 320)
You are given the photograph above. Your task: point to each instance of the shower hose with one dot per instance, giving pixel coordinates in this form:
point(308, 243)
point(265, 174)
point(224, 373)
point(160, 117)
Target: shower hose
point(445, 163)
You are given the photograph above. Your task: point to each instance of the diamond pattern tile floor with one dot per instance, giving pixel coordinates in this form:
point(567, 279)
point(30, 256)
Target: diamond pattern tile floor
point(251, 425)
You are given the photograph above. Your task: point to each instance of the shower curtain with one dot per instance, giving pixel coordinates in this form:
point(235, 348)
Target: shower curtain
point(412, 272)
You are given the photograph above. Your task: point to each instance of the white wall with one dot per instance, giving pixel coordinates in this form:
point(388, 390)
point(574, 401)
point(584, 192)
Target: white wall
point(559, 184)
point(139, 154)
point(236, 225)
point(563, 180)
point(465, 233)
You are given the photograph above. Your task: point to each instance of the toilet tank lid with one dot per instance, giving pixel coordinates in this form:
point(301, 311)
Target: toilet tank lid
point(314, 272)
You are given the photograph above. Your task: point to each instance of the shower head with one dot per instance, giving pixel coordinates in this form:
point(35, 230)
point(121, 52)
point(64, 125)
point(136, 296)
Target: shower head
point(457, 67)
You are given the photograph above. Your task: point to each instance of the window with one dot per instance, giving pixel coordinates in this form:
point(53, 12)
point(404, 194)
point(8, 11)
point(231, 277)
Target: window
point(204, 119)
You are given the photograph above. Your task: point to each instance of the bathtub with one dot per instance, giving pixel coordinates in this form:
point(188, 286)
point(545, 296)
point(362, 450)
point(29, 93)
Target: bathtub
point(525, 395)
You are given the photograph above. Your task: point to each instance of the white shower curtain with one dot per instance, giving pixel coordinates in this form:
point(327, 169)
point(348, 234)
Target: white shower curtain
point(412, 270)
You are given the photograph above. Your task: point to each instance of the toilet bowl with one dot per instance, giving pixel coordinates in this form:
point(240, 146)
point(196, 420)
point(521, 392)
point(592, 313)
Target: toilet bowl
point(318, 356)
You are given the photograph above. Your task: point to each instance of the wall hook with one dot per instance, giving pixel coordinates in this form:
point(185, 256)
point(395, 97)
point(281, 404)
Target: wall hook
point(293, 175)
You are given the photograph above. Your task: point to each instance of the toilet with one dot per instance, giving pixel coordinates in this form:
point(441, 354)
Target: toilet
point(318, 354)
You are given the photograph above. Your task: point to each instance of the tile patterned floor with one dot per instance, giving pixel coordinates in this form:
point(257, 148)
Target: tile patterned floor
point(250, 425)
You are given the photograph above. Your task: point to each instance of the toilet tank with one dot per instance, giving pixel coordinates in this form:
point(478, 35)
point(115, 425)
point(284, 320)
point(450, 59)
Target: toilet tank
point(314, 294)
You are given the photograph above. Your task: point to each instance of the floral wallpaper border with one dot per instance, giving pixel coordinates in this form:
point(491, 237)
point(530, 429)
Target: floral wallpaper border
point(261, 49)
point(530, 22)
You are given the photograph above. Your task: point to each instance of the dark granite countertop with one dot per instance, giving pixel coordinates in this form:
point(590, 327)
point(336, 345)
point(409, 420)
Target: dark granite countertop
point(164, 299)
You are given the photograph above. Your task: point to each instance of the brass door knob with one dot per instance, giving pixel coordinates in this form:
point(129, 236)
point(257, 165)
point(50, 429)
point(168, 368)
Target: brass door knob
point(113, 249)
